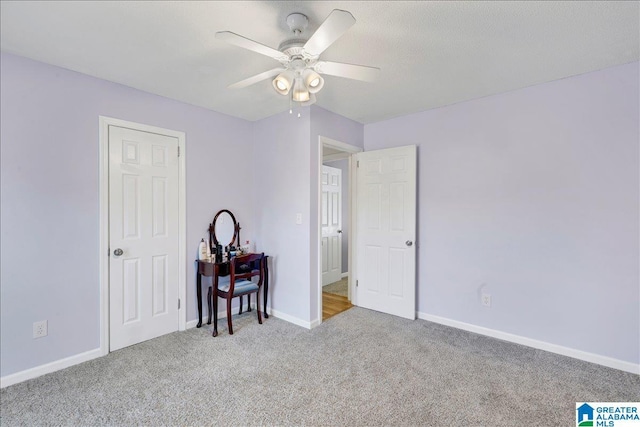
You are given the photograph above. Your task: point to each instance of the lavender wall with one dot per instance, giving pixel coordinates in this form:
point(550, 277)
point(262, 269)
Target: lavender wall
point(49, 198)
point(286, 163)
point(330, 125)
point(281, 153)
point(532, 196)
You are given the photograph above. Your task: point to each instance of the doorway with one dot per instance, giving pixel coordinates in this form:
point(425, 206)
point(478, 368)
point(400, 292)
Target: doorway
point(335, 290)
point(382, 186)
point(142, 232)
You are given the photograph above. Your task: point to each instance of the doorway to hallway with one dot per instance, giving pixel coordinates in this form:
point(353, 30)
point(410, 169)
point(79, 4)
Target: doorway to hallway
point(335, 222)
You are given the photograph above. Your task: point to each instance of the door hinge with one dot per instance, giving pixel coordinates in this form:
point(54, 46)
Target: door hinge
point(109, 252)
point(358, 163)
point(178, 303)
point(178, 151)
point(356, 283)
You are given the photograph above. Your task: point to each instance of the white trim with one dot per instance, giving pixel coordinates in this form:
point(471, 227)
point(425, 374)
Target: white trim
point(193, 323)
point(335, 157)
point(319, 231)
point(222, 315)
point(103, 194)
point(104, 123)
point(540, 345)
point(343, 275)
point(48, 368)
point(338, 145)
point(275, 313)
point(349, 150)
point(288, 318)
point(352, 265)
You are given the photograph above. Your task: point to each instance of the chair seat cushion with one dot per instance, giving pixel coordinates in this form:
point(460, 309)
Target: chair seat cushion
point(240, 287)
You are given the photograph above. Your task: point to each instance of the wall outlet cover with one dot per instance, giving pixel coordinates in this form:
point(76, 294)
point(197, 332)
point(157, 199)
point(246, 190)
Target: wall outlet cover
point(40, 329)
point(486, 300)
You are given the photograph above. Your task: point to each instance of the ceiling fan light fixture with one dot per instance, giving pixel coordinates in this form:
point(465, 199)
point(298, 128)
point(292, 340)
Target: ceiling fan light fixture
point(300, 92)
point(283, 82)
point(299, 75)
point(313, 81)
point(311, 101)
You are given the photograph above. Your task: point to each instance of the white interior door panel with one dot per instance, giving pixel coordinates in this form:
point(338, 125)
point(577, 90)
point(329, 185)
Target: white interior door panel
point(386, 230)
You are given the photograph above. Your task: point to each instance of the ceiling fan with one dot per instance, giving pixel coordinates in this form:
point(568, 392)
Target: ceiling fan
point(301, 69)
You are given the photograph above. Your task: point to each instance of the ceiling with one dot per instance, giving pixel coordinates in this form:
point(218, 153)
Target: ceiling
point(430, 54)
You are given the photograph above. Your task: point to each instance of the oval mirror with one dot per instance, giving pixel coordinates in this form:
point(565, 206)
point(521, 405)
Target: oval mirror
point(224, 228)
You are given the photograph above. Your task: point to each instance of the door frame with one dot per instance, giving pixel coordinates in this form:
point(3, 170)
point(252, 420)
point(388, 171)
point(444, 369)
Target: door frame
point(103, 251)
point(348, 152)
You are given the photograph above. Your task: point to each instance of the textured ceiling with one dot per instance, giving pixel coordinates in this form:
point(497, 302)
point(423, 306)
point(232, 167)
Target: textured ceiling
point(430, 53)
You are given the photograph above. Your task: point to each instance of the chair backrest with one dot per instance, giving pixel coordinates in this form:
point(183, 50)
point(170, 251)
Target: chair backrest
point(244, 267)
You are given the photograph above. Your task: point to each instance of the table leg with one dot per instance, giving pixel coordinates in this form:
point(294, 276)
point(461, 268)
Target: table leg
point(209, 304)
point(266, 287)
point(214, 298)
point(199, 295)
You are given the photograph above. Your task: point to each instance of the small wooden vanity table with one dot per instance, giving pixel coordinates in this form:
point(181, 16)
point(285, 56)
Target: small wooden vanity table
point(221, 269)
point(225, 228)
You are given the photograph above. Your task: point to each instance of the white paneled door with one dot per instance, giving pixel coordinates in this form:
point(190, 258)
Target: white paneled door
point(143, 236)
point(386, 231)
point(331, 221)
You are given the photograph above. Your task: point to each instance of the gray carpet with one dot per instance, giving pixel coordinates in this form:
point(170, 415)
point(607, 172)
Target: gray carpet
point(358, 368)
point(338, 288)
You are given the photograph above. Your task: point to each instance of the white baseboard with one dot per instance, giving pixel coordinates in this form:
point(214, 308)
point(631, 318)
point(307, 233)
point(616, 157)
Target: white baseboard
point(270, 311)
point(48, 368)
point(540, 345)
point(221, 315)
point(57, 365)
point(289, 318)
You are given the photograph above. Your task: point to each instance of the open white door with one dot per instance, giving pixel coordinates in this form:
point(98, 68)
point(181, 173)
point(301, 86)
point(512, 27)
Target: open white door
point(143, 236)
point(331, 222)
point(386, 231)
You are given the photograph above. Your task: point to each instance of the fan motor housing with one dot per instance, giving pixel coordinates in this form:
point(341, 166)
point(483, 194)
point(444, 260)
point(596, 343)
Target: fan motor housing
point(292, 47)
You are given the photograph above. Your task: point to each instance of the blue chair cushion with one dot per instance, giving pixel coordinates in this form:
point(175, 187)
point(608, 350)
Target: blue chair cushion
point(241, 286)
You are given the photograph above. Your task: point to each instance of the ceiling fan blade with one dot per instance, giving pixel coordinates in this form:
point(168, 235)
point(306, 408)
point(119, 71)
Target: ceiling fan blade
point(350, 71)
point(336, 24)
point(257, 78)
point(249, 44)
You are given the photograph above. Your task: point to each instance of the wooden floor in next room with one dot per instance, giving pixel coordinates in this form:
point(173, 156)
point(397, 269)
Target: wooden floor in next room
point(334, 299)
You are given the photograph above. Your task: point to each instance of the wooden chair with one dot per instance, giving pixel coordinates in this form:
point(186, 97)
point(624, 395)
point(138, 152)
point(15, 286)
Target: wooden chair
point(239, 284)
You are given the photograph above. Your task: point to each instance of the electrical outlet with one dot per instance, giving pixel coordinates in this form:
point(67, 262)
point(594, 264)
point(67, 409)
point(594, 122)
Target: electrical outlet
point(298, 218)
point(40, 329)
point(486, 300)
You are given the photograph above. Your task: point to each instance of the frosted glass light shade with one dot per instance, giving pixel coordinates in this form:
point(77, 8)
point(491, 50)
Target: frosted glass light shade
point(300, 92)
point(283, 82)
point(313, 81)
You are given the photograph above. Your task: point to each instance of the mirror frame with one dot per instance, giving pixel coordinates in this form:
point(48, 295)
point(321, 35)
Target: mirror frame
point(213, 239)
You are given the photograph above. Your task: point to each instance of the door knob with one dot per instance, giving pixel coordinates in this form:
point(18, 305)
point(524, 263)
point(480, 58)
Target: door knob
point(408, 243)
point(118, 252)
point(340, 231)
